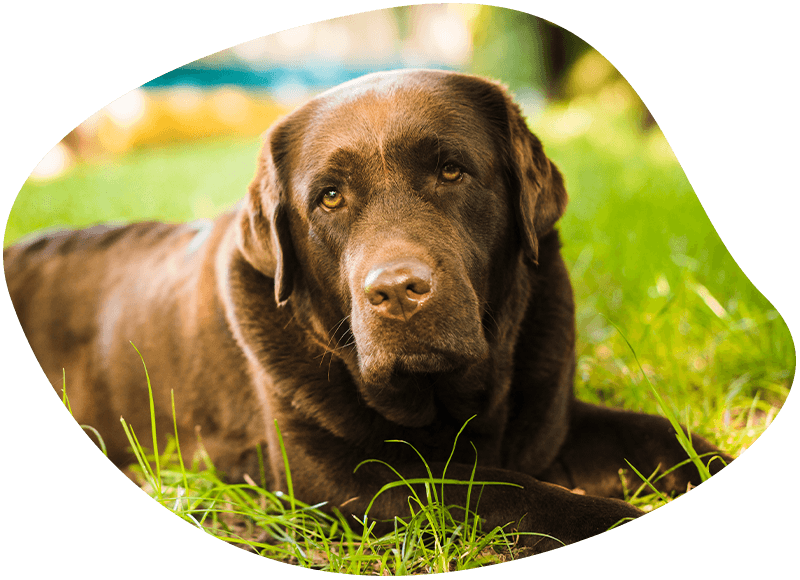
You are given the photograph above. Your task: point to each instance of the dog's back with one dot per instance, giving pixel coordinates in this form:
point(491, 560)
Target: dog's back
point(59, 281)
point(82, 297)
point(67, 263)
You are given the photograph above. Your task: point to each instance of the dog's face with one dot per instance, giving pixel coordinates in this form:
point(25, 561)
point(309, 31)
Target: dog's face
point(395, 210)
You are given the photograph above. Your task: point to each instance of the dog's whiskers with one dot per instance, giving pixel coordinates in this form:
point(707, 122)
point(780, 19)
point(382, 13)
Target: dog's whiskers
point(332, 333)
point(332, 350)
point(336, 347)
point(488, 312)
point(290, 321)
point(338, 324)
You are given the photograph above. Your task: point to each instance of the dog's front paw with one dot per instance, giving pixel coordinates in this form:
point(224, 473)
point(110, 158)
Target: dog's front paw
point(571, 518)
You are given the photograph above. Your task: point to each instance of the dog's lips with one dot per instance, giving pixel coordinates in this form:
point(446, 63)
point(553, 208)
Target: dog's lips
point(405, 387)
point(384, 368)
point(407, 366)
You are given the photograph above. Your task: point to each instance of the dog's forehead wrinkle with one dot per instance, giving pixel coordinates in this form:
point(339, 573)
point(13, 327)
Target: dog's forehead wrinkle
point(379, 114)
point(379, 137)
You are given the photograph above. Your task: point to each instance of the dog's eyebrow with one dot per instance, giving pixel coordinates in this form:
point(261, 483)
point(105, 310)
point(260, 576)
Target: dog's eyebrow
point(343, 159)
point(336, 166)
point(434, 147)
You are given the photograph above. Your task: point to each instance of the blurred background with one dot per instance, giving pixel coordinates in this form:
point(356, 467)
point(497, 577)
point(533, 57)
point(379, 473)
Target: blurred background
point(241, 91)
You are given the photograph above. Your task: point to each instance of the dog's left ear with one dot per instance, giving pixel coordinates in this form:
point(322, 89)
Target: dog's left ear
point(542, 196)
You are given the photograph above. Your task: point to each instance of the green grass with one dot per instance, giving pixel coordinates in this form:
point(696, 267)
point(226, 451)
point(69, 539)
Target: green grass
point(179, 183)
point(644, 258)
point(663, 312)
point(282, 527)
point(428, 539)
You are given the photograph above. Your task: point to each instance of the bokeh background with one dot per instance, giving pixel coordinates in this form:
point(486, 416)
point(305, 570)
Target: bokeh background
point(238, 92)
point(643, 256)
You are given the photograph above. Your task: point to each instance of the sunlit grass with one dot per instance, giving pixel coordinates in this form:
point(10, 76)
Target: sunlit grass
point(277, 525)
point(428, 539)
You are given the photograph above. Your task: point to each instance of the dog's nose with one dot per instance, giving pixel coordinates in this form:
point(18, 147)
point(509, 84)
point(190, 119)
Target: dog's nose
point(397, 289)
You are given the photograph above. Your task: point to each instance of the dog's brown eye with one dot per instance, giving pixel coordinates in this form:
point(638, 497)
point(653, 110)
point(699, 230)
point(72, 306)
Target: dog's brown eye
point(451, 172)
point(332, 199)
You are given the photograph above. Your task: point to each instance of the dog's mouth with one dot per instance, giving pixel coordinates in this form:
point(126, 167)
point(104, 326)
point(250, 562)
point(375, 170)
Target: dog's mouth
point(407, 381)
point(397, 361)
point(392, 369)
point(432, 363)
point(411, 390)
point(408, 397)
point(433, 345)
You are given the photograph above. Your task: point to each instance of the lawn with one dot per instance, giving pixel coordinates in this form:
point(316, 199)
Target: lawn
point(645, 262)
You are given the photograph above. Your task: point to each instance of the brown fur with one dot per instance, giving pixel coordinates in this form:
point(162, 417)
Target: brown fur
point(268, 314)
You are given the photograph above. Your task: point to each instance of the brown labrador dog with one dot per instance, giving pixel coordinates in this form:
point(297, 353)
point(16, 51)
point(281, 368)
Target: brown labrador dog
point(393, 271)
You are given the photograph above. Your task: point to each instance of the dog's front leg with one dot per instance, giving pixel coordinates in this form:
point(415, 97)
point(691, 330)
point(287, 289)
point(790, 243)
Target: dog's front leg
point(541, 511)
point(600, 440)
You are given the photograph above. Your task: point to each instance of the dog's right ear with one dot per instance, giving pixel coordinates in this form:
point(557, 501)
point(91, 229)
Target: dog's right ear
point(264, 237)
point(542, 195)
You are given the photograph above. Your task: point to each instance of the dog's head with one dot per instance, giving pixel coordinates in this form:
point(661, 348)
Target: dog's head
point(396, 210)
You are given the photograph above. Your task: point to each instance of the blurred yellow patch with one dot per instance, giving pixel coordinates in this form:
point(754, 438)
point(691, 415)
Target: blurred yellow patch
point(150, 117)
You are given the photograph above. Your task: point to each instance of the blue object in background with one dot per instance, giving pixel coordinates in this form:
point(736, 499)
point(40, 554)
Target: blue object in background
point(319, 75)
